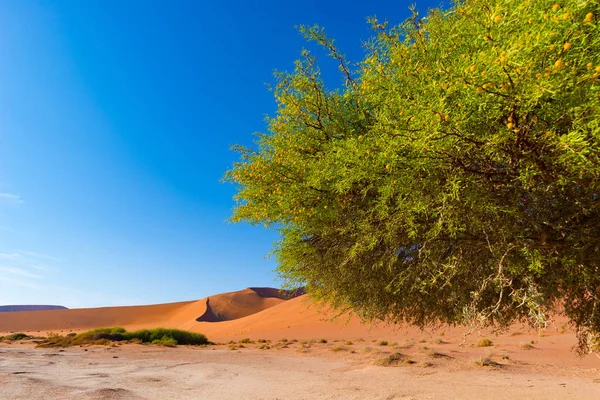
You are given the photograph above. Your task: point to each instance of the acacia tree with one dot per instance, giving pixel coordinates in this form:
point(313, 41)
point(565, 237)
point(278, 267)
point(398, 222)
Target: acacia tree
point(454, 179)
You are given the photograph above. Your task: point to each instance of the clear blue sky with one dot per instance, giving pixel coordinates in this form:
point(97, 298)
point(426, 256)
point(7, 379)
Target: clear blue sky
point(116, 119)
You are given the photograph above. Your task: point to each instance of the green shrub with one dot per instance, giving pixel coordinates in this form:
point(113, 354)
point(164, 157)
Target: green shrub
point(245, 340)
point(383, 343)
point(165, 341)
point(17, 336)
point(323, 341)
point(116, 329)
point(181, 337)
point(162, 336)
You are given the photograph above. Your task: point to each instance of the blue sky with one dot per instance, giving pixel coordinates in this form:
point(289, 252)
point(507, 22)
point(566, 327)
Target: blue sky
point(116, 119)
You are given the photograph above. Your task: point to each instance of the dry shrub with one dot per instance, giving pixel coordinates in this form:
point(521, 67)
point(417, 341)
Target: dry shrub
point(484, 342)
point(392, 360)
point(337, 349)
point(487, 362)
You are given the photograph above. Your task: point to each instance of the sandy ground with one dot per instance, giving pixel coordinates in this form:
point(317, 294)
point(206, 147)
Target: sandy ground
point(292, 370)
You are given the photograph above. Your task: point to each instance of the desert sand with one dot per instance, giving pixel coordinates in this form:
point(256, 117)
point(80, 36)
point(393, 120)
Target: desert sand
point(294, 364)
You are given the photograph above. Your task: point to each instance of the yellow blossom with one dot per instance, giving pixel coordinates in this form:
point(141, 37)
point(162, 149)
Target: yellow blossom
point(559, 64)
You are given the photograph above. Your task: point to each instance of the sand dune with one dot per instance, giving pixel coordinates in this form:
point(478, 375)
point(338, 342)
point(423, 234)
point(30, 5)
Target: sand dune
point(297, 318)
point(256, 312)
point(86, 318)
point(222, 307)
point(235, 305)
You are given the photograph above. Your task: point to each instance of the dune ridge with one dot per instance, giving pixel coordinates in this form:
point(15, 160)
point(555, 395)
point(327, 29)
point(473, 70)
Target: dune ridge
point(242, 303)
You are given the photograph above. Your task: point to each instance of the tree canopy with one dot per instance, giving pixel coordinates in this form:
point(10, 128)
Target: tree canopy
point(454, 178)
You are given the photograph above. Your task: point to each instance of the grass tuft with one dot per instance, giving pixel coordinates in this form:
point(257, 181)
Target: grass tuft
point(527, 346)
point(435, 354)
point(337, 349)
point(484, 342)
point(393, 359)
point(486, 362)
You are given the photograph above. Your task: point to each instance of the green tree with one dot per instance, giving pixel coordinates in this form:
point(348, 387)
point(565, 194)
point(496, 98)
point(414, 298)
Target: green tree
point(455, 178)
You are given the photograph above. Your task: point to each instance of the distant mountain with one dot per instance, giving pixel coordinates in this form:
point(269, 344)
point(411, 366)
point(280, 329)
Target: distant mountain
point(30, 308)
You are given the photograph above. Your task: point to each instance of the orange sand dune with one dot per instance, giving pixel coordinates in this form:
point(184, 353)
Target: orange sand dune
point(296, 317)
point(87, 318)
point(256, 312)
point(234, 305)
point(299, 318)
point(222, 307)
